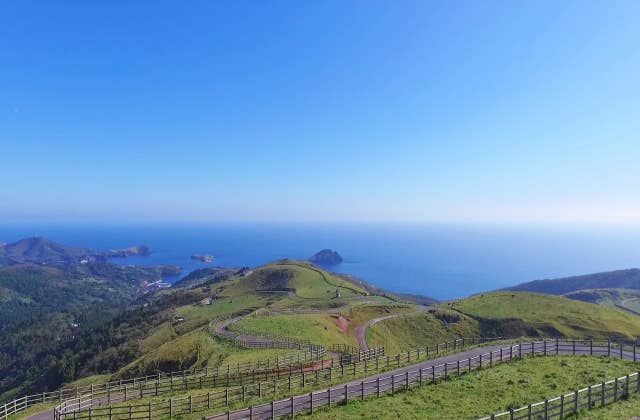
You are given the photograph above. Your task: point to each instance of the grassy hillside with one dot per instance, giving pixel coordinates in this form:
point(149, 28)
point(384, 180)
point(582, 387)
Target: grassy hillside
point(625, 299)
point(303, 279)
point(145, 338)
point(405, 333)
point(323, 328)
point(549, 315)
point(619, 279)
point(480, 393)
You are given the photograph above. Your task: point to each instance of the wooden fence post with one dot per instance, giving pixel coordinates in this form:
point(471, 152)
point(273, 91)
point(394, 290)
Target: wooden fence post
point(378, 387)
point(589, 397)
point(602, 395)
point(561, 406)
point(546, 409)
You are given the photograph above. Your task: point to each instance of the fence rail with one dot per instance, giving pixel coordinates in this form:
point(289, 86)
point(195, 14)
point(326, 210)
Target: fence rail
point(225, 375)
point(260, 386)
point(395, 382)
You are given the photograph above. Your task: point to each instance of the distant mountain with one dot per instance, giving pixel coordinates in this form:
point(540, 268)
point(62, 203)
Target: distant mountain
point(619, 279)
point(43, 251)
point(326, 257)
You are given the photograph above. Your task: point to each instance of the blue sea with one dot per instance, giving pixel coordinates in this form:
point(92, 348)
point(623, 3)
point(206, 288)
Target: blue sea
point(441, 261)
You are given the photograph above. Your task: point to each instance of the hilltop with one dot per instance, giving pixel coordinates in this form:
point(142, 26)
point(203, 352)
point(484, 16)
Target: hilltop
point(43, 251)
point(618, 279)
point(534, 314)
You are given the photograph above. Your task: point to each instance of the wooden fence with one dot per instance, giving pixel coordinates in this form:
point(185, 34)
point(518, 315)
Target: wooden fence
point(224, 375)
point(96, 406)
point(352, 354)
point(395, 382)
point(593, 396)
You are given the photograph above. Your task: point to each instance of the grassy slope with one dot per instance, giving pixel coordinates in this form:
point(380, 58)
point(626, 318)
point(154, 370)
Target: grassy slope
point(405, 333)
point(552, 314)
point(318, 328)
point(625, 299)
point(321, 328)
point(308, 281)
point(481, 393)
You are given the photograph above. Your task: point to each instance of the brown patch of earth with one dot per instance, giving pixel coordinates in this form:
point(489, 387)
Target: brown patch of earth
point(342, 323)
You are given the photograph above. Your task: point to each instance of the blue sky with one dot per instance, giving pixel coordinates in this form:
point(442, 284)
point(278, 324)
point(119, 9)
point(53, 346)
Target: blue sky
point(320, 111)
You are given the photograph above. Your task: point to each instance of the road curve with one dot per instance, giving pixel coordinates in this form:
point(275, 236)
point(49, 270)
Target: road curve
point(467, 360)
point(361, 331)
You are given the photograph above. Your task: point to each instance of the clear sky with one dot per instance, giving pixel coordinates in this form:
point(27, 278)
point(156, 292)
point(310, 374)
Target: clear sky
point(320, 110)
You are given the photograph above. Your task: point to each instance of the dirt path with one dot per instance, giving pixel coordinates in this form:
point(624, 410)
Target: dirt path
point(361, 331)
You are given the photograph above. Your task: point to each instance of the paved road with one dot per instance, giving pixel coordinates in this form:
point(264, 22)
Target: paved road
point(361, 331)
point(398, 378)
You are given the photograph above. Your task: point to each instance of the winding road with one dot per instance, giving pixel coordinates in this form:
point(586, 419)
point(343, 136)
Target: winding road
point(361, 331)
point(403, 377)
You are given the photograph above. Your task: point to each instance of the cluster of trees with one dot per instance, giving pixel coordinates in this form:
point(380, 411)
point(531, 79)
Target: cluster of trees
point(61, 323)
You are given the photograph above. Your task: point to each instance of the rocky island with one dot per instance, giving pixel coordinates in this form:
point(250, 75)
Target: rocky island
point(326, 257)
point(204, 258)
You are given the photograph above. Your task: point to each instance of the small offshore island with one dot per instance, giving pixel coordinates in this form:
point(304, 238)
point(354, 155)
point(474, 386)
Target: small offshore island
point(204, 258)
point(326, 257)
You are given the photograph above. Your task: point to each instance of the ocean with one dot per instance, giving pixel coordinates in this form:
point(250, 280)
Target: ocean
point(441, 261)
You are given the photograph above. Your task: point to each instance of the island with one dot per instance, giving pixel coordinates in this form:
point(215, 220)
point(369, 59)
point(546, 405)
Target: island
point(204, 258)
point(326, 257)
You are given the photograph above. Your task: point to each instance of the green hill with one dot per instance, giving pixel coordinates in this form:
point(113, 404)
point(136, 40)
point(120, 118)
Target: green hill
point(625, 299)
point(619, 279)
point(538, 314)
point(301, 278)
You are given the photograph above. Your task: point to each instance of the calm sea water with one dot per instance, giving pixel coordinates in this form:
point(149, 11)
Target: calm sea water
point(442, 261)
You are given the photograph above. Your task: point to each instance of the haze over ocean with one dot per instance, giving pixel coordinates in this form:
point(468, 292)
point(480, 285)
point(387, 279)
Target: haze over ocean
point(442, 261)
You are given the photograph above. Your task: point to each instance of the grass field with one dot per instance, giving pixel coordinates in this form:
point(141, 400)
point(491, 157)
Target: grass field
point(408, 332)
point(480, 393)
point(317, 328)
point(196, 349)
point(552, 314)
